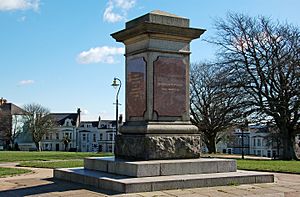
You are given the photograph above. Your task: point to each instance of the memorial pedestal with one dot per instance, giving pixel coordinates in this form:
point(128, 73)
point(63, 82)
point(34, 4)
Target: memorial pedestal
point(157, 126)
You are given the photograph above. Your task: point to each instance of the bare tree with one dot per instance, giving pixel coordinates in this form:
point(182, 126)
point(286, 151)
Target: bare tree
point(264, 58)
point(215, 107)
point(38, 122)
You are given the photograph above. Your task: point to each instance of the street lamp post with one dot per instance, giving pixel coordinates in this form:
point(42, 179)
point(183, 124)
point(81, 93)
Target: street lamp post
point(245, 127)
point(242, 143)
point(117, 85)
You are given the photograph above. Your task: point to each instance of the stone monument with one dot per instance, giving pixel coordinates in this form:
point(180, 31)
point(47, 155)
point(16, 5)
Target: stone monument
point(157, 89)
point(158, 148)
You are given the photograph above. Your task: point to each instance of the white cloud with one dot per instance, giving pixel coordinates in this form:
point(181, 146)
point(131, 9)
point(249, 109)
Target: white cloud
point(110, 16)
point(9, 5)
point(116, 10)
point(103, 54)
point(125, 4)
point(26, 82)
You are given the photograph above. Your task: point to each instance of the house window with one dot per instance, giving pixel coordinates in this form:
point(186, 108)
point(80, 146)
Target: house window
point(269, 153)
point(110, 137)
point(101, 136)
point(94, 137)
point(70, 136)
point(83, 137)
point(254, 140)
point(47, 137)
point(109, 148)
point(258, 142)
point(259, 152)
point(229, 151)
point(57, 136)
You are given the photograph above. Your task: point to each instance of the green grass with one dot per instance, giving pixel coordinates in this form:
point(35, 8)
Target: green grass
point(12, 171)
point(269, 165)
point(53, 164)
point(13, 156)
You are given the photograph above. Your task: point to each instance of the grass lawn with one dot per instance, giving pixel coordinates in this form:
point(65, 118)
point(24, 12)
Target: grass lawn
point(73, 159)
point(53, 164)
point(12, 156)
point(11, 171)
point(269, 165)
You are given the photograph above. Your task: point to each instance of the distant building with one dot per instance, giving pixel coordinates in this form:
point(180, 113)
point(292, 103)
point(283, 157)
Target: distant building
point(256, 140)
point(10, 123)
point(262, 142)
point(237, 142)
point(64, 136)
point(66, 130)
point(72, 134)
point(97, 136)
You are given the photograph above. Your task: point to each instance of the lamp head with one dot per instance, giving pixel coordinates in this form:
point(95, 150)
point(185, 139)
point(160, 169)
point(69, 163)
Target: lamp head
point(115, 84)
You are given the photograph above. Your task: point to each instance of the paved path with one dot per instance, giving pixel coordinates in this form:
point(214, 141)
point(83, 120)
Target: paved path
point(40, 183)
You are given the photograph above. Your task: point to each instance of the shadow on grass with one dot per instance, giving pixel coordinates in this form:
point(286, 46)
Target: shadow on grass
point(52, 185)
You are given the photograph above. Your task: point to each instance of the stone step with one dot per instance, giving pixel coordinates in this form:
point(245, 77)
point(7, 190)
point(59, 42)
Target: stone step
point(159, 167)
point(125, 184)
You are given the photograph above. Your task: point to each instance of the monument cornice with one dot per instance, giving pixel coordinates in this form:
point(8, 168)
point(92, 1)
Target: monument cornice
point(186, 33)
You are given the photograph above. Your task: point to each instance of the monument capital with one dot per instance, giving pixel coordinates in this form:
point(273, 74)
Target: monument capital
point(158, 24)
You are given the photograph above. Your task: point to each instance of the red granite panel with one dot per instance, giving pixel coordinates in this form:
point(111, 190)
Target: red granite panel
point(170, 86)
point(136, 88)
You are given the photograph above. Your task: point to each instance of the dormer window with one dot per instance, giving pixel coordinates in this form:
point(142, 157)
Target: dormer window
point(68, 123)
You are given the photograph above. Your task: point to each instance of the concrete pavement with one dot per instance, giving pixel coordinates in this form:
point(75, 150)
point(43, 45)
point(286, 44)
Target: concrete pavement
point(41, 183)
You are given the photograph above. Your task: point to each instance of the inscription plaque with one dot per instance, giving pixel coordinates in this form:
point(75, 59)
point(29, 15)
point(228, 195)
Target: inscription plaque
point(170, 86)
point(136, 87)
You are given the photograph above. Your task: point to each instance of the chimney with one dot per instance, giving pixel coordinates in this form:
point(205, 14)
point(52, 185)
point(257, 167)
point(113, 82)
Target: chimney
point(99, 122)
point(2, 101)
point(79, 118)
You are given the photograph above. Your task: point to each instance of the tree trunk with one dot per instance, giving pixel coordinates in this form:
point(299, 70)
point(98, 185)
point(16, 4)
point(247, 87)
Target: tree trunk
point(211, 145)
point(38, 146)
point(288, 145)
point(12, 144)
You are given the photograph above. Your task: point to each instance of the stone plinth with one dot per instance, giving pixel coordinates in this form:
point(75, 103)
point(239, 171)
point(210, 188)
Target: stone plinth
point(157, 89)
point(159, 167)
point(124, 176)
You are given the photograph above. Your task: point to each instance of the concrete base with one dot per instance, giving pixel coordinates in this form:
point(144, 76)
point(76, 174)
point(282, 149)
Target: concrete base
point(145, 176)
point(159, 167)
point(125, 184)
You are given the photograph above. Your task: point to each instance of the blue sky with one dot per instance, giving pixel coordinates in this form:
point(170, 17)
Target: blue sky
point(59, 53)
